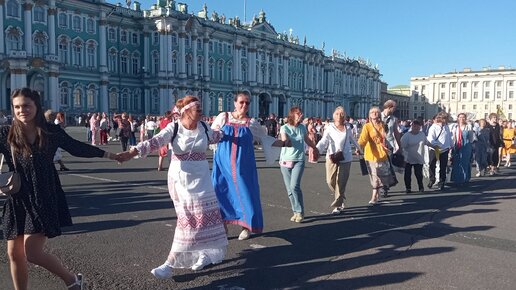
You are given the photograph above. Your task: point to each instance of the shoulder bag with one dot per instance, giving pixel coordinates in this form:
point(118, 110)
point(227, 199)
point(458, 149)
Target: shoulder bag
point(10, 182)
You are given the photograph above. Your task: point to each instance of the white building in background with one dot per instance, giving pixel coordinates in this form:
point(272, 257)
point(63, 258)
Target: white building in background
point(84, 55)
point(477, 92)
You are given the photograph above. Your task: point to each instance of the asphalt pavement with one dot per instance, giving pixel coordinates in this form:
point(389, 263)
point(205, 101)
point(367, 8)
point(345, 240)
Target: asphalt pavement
point(124, 222)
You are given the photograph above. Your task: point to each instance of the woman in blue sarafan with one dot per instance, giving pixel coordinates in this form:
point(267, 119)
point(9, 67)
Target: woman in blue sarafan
point(234, 176)
point(463, 138)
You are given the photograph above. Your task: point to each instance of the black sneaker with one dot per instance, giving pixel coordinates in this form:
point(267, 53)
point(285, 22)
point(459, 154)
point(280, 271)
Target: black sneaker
point(408, 191)
point(430, 184)
point(421, 189)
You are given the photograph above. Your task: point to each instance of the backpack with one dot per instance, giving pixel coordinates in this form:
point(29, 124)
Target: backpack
point(176, 128)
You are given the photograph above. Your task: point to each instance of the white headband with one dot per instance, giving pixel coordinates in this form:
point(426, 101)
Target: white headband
point(188, 107)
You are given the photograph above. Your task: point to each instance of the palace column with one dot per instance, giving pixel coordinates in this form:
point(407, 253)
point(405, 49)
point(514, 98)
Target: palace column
point(51, 15)
point(193, 44)
point(181, 58)
point(206, 48)
point(146, 51)
point(252, 64)
point(2, 3)
point(27, 10)
point(285, 71)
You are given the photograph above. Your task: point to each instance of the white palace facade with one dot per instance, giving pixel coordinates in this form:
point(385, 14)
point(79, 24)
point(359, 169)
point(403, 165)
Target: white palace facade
point(89, 55)
point(478, 93)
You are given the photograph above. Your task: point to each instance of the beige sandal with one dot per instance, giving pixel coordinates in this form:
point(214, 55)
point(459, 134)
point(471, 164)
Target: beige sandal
point(79, 281)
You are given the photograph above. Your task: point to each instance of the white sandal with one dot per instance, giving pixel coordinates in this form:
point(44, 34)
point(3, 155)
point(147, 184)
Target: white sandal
point(79, 281)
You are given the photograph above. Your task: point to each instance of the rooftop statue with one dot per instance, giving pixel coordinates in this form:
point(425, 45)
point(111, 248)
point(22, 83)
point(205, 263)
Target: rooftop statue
point(214, 16)
point(223, 19)
point(204, 12)
point(255, 21)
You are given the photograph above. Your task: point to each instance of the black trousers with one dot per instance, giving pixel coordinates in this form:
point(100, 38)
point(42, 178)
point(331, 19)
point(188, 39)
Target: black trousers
point(443, 162)
point(418, 172)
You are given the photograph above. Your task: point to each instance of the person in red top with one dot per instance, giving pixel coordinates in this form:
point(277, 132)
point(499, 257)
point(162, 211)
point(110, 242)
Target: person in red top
point(163, 151)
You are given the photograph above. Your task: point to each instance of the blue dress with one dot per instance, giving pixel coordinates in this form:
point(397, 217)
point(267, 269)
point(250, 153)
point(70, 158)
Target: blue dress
point(235, 177)
point(461, 156)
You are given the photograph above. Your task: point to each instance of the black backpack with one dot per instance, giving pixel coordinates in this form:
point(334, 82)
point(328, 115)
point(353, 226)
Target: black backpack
point(176, 127)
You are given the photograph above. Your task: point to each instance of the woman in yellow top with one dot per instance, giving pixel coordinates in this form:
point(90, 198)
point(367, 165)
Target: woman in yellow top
point(372, 141)
point(508, 138)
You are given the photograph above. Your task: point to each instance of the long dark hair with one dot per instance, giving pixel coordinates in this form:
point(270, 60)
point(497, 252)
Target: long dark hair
point(16, 137)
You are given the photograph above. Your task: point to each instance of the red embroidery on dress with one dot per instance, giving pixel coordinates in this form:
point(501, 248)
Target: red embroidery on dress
point(205, 219)
point(194, 156)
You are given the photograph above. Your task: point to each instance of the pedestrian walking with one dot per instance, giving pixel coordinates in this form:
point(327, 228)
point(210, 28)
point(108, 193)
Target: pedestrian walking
point(463, 137)
point(124, 129)
point(482, 148)
point(235, 177)
point(373, 142)
point(413, 146)
point(39, 210)
point(199, 237)
point(163, 151)
point(292, 159)
point(440, 139)
point(337, 141)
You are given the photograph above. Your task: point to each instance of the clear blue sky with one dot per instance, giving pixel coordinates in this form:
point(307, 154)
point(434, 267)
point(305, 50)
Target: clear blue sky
point(405, 38)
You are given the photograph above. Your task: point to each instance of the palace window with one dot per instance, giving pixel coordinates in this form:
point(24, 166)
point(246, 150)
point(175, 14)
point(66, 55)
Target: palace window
point(77, 98)
point(199, 66)
point(155, 101)
point(474, 107)
point(77, 23)
point(475, 84)
point(510, 107)
point(220, 68)
point(77, 54)
point(13, 8)
point(155, 62)
point(112, 34)
point(189, 65)
point(63, 51)
point(511, 94)
point(498, 83)
point(136, 100)
point(112, 60)
point(113, 100)
point(90, 55)
point(90, 26)
point(498, 94)
point(464, 84)
point(40, 43)
point(124, 62)
point(90, 97)
point(211, 47)
point(136, 64)
point(219, 48)
point(464, 95)
point(63, 94)
point(443, 85)
point(475, 95)
point(463, 107)
point(487, 84)
point(134, 40)
point(511, 83)
point(39, 13)
point(230, 71)
point(63, 20)
point(453, 85)
point(174, 62)
point(124, 101)
point(123, 36)
point(442, 96)
point(212, 68)
point(415, 88)
point(486, 96)
point(486, 107)
point(244, 72)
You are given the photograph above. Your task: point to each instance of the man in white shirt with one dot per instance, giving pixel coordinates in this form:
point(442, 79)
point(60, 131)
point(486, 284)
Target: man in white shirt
point(439, 136)
point(413, 145)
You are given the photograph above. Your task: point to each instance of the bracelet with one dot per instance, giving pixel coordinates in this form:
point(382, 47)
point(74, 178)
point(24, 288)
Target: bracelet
point(108, 155)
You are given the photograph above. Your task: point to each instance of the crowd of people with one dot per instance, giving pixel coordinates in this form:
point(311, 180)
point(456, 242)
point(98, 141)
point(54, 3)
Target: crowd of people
point(206, 202)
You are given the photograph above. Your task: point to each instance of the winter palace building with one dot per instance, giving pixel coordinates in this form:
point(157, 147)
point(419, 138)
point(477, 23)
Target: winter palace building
point(89, 55)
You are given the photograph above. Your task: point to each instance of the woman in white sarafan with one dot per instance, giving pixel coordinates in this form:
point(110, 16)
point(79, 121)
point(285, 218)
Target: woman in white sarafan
point(200, 238)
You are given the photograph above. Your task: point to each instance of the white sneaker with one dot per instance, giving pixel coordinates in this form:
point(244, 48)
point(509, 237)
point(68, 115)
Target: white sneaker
point(244, 235)
point(337, 210)
point(201, 263)
point(162, 272)
point(478, 174)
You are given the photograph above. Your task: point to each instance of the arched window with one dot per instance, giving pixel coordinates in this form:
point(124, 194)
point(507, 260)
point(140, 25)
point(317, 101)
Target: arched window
point(39, 13)
point(244, 72)
point(113, 100)
point(212, 68)
point(230, 71)
point(220, 70)
point(90, 26)
point(136, 100)
point(77, 23)
point(63, 50)
point(271, 71)
point(135, 61)
point(124, 100)
point(124, 62)
point(77, 98)
point(77, 53)
point(64, 92)
point(91, 51)
point(123, 36)
point(13, 39)
point(91, 96)
point(40, 44)
point(13, 8)
point(112, 34)
point(199, 65)
point(155, 101)
point(155, 62)
point(174, 62)
point(63, 20)
point(220, 103)
point(112, 60)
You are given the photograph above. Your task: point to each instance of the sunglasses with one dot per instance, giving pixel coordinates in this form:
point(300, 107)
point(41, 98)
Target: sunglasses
point(242, 103)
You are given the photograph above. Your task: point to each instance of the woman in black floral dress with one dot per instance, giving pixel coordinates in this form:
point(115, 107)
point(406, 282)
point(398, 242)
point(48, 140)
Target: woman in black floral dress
point(39, 210)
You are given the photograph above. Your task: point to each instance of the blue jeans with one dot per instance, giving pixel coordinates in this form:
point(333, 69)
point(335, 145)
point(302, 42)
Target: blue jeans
point(292, 178)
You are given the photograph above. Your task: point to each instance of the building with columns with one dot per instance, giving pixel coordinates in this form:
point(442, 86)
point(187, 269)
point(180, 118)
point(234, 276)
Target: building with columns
point(477, 92)
point(89, 55)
